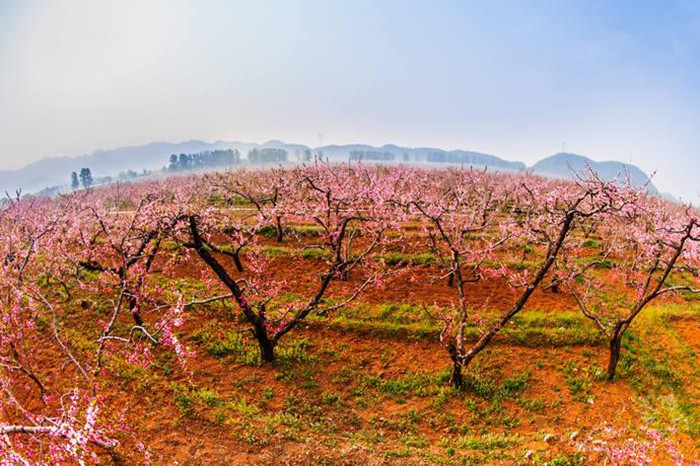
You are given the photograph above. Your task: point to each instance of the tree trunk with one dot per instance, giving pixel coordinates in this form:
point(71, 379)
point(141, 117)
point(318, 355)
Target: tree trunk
point(484, 341)
point(451, 280)
point(237, 261)
point(505, 318)
point(456, 378)
point(135, 314)
point(137, 318)
point(615, 345)
point(280, 230)
point(267, 345)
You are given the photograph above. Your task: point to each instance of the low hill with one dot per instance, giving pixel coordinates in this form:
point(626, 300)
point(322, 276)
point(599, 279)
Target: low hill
point(567, 165)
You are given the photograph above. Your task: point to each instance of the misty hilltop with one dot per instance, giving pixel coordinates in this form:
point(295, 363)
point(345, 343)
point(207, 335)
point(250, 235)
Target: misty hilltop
point(566, 165)
point(55, 171)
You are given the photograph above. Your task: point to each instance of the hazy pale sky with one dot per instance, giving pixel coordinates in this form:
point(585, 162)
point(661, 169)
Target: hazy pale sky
point(610, 79)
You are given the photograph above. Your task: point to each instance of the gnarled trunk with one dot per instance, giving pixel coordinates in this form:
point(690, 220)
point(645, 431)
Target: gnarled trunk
point(266, 344)
point(280, 229)
point(237, 261)
point(614, 358)
point(456, 378)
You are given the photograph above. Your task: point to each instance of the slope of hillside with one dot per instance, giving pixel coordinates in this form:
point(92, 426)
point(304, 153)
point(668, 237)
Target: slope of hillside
point(566, 165)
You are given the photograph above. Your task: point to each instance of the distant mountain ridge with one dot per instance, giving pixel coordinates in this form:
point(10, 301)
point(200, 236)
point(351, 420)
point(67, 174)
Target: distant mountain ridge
point(55, 171)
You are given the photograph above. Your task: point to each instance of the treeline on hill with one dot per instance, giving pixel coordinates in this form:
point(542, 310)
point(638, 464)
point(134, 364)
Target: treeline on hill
point(451, 157)
point(267, 155)
point(435, 157)
point(206, 159)
point(226, 158)
point(370, 155)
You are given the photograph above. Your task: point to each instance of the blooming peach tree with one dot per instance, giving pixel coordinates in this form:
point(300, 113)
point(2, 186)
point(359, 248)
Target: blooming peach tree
point(345, 203)
point(648, 248)
point(40, 421)
point(464, 218)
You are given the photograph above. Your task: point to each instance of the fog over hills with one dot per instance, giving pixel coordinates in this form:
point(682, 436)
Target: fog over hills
point(55, 171)
point(421, 154)
point(564, 163)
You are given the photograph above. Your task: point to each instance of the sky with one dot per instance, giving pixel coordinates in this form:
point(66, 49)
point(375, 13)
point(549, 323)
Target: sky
point(610, 79)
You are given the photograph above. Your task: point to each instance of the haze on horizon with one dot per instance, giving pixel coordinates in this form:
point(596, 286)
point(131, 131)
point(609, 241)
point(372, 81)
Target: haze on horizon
point(609, 79)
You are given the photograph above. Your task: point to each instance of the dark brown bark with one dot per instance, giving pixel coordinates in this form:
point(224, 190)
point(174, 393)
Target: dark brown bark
point(133, 307)
point(615, 344)
point(108, 444)
point(237, 261)
point(456, 378)
point(267, 345)
point(280, 229)
point(220, 271)
point(256, 318)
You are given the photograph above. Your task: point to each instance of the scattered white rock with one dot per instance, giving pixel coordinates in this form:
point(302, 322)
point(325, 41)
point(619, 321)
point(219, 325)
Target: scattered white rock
point(550, 438)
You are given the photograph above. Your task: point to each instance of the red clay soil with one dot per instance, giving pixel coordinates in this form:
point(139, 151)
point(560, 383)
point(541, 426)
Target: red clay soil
point(171, 436)
point(422, 285)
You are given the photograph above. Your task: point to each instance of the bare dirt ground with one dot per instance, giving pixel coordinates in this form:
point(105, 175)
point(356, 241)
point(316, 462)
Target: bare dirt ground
point(368, 385)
